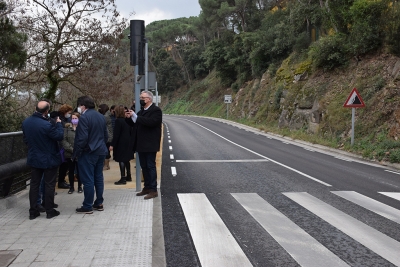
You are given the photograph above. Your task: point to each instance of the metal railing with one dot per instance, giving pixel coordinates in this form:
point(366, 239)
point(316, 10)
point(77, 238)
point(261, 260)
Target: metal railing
point(14, 173)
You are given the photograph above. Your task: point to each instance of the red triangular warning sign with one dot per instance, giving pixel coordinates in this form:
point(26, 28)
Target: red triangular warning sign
point(354, 100)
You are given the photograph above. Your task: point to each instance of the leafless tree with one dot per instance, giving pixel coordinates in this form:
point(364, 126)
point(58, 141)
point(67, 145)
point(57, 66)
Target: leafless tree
point(64, 37)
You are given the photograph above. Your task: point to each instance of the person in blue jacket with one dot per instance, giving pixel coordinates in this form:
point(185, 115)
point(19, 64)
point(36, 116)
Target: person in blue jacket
point(41, 137)
point(90, 151)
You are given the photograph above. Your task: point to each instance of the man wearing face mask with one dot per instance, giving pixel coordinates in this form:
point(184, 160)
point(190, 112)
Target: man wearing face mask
point(41, 136)
point(90, 151)
point(147, 137)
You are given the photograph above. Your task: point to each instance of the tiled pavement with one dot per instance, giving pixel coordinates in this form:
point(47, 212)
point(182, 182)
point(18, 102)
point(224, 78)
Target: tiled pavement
point(127, 233)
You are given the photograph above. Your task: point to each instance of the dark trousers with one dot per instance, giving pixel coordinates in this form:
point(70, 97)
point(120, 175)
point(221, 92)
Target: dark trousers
point(71, 173)
point(90, 168)
point(148, 164)
point(123, 166)
point(62, 172)
point(49, 177)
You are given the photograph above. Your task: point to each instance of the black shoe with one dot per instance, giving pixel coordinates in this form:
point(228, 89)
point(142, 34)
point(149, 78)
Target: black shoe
point(129, 178)
point(40, 208)
point(52, 214)
point(63, 185)
point(122, 181)
point(33, 216)
point(71, 190)
point(98, 207)
point(84, 211)
point(80, 189)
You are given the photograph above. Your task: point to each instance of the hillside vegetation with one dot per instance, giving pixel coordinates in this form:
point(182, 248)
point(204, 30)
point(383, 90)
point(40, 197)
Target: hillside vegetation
point(289, 67)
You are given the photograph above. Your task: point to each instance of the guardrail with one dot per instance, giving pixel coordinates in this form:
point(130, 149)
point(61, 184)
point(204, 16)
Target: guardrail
point(14, 173)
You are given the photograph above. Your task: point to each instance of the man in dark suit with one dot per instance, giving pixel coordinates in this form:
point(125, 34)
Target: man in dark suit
point(44, 157)
point(90, 150)
point(147, 136)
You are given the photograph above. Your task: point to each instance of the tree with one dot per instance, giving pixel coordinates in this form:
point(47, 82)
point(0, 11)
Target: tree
point(64, 36)
point(12, 52)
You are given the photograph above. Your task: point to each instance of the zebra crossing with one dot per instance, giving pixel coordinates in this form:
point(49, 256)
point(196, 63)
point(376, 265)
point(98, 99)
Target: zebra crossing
point(208, 230)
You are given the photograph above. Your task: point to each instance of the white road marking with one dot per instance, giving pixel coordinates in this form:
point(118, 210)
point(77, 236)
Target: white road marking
point(378, 242)
point(308, 149)
point(370, 204)
point(274, 161)
point(169, 141)
point(299, 244)
point(171, 156)
point(232, 160)
point(393, 172)
point(214, 244)
point(173, 171)
point(394, 195)
point(170, 147)
point(345, 159)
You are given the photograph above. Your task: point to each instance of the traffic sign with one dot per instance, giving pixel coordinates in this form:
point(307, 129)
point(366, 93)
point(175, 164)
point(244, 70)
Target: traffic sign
point(354, 100)
point(228, 99)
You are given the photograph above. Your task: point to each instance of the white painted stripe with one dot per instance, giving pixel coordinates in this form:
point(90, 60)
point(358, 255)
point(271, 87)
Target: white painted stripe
point(169, 137)
point(173, 170)
point(286, 143)
point(371, 204)
point(171, 156)
point(393, 172)
point(391, 194)
point(300, 245)
point(169, 141)
point(232, 160)
point(214, 244)
point(345, 159)
point(170, 147)
point(264, 157)
point(381, 244)
point(308, 149)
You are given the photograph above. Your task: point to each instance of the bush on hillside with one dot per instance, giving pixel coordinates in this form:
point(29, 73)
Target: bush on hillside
point(329, 52)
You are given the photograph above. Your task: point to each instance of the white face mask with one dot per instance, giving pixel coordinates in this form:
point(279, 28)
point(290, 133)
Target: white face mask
point(67, 115)
point(79, 110)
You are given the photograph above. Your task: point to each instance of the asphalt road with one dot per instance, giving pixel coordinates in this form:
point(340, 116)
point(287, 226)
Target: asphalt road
point(232, 196)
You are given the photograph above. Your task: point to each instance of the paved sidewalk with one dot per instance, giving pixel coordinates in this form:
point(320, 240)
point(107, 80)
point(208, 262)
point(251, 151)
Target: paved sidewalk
point(121, 235)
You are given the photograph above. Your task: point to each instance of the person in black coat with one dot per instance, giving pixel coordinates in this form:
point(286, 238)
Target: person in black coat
point(147, 124)
point(122, 145)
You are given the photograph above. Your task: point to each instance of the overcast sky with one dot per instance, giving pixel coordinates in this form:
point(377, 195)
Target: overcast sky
point(153, 10)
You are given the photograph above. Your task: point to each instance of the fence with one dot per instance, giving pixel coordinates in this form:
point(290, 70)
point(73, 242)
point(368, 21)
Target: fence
point(14, 173)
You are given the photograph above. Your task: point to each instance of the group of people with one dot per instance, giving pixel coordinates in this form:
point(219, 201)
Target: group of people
point(85, 150)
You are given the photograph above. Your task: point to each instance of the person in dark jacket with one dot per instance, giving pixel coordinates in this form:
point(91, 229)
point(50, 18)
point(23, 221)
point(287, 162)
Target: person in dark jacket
point(90, 151)
point(68, 145)
point(122, 145)
point(147, 125)
point(42, 139)
point(64, 113)
point(103, 109)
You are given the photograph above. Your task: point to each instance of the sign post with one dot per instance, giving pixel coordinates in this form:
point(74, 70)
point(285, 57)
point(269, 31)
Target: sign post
point(353, 101)
point(228, 100)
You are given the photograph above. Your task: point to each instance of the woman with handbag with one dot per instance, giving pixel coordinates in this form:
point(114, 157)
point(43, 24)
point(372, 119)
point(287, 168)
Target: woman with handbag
point(68, 144)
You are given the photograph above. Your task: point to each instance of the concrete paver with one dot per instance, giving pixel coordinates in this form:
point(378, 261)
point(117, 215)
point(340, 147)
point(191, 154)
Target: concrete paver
point(121, 235)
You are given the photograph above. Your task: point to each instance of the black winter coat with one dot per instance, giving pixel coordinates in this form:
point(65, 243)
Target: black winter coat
point(122, 142)
point(147, 129)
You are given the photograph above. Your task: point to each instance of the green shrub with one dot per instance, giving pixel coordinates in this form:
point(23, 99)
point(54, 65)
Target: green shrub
point(393, 28)
point(365, 28)
point(329, 52)
point(394, 156)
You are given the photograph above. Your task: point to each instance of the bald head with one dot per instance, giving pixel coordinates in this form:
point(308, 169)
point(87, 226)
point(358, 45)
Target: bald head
point(42, 107)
